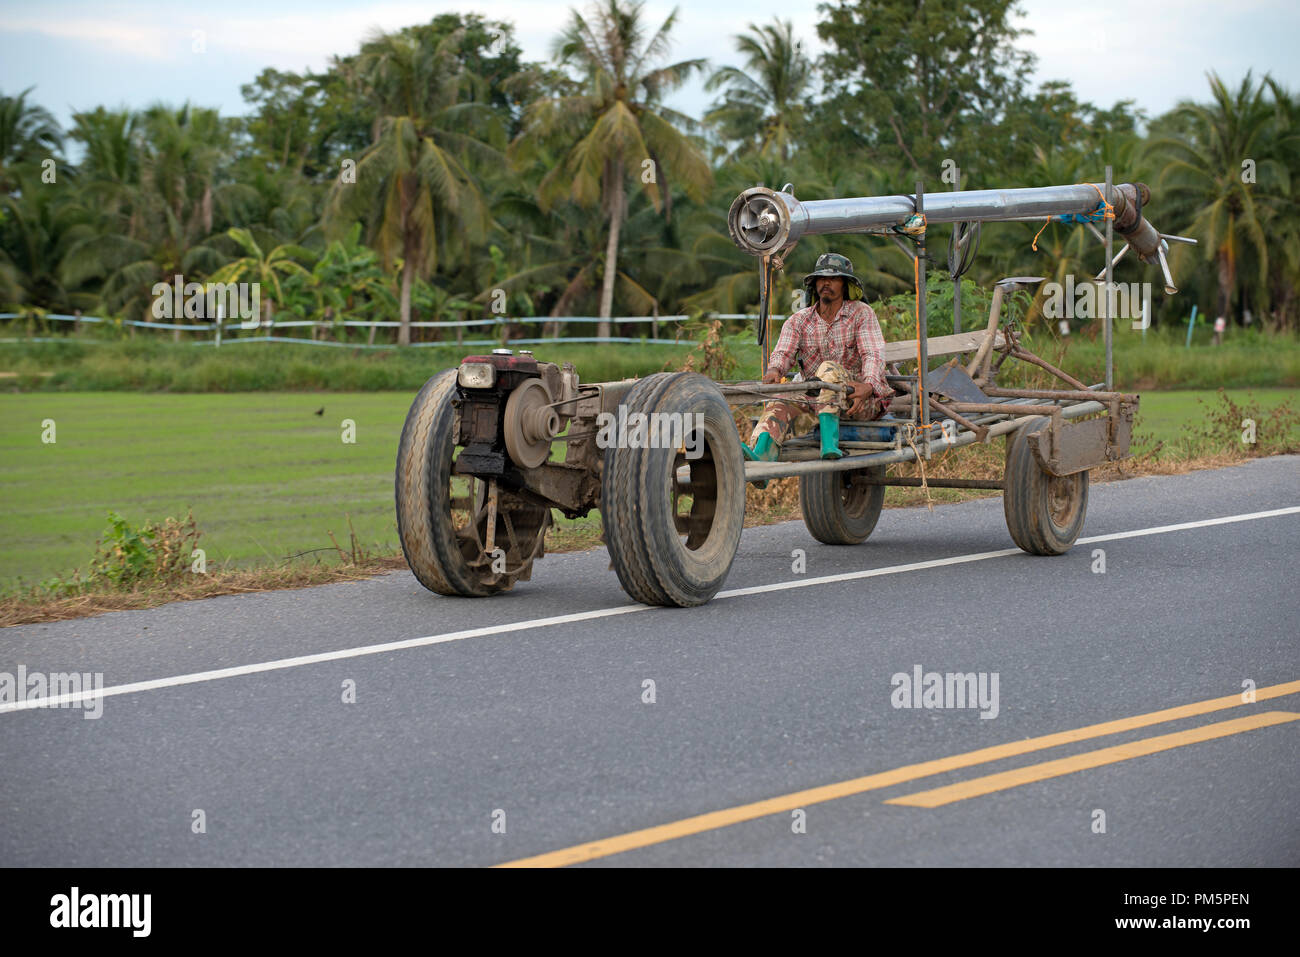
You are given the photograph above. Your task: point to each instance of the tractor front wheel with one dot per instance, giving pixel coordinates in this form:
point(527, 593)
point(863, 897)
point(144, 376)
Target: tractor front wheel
point(443, 518)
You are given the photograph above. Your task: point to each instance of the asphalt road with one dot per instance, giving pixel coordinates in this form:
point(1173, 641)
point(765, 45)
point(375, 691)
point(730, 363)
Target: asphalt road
point(526, 713)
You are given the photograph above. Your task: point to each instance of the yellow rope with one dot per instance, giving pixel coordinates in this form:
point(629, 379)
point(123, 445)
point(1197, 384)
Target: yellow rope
point(1034, 245)
point(925, 485)
point(916, 284)
point(1110, 210)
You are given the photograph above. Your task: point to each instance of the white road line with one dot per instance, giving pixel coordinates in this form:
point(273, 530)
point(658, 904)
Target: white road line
point(341, 654)
point(1161, 529)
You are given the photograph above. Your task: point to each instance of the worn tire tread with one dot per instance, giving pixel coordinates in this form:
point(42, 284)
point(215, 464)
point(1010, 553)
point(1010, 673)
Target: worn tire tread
point(1024, 498)
point(821, 503)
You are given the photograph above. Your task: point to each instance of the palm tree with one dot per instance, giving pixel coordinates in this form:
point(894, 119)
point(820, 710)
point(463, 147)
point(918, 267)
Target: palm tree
point(37, 229)
point(262, 267)
point(567, 262)
point(28, 133)
point(1204, 174)
point(411, 187)
point(1285, 226)
point(765, 105)
point(156, 179)
point(613, 125)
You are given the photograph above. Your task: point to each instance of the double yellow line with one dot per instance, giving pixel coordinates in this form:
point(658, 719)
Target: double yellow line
point(955, 792)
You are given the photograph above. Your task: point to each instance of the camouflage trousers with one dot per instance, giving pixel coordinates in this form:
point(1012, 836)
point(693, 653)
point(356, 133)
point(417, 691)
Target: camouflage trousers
point(780, 417)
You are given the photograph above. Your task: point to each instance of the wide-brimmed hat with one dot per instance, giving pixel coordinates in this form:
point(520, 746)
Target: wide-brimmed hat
point(833, 264)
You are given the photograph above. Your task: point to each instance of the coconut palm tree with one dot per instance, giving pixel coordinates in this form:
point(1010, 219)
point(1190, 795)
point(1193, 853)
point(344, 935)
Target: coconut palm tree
point(38, 226)
point(412, 189)
point(564, 262)
point(611, 125)
point(1224, 168)
point(764, 106)
point(156, 180)
point(28, 134)
point(1284, 228)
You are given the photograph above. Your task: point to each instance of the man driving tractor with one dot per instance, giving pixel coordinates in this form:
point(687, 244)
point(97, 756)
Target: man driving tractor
point(837, 339)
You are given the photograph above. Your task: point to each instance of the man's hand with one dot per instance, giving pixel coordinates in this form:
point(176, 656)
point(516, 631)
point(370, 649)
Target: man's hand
point(858, 398)
point(771, 377)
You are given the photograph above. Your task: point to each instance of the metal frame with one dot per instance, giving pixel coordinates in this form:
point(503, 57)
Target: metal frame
point(776, 221)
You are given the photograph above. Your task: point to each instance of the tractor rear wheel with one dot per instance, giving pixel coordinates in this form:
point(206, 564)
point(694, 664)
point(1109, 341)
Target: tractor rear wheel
point(672, 540)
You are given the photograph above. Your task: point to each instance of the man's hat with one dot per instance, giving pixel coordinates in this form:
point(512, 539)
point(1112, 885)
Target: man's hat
point(833, 264)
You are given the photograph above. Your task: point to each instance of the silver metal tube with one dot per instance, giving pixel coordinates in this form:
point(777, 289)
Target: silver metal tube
point(762, 220)
point(755, 471)
point(1118, 256)
point(1170, 288)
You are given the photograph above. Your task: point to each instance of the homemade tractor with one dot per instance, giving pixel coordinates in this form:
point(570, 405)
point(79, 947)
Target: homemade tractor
point(660, 456)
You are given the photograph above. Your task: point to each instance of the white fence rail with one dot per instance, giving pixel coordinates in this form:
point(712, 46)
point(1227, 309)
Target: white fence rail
point(220, 329)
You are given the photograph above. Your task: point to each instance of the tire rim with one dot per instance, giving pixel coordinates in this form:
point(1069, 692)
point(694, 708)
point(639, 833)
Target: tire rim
point(856, 494)
point(695, 502)
point(520, 528)
point(1063, 499)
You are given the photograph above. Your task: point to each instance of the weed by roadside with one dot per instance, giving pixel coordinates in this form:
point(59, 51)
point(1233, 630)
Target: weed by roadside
point(1246, 429)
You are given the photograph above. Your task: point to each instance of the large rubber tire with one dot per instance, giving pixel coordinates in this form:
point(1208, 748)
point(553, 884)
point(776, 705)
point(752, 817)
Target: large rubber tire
point(662, 556)
point(1045, 513)
point(838, 509)
point(618, 472)
point(441, 538)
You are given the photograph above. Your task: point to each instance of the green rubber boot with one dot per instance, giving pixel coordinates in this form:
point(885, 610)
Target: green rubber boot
point(829, 424)
point(764, 450)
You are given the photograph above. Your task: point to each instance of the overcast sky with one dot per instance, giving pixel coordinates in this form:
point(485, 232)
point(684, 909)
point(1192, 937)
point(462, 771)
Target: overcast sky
point(81, 54)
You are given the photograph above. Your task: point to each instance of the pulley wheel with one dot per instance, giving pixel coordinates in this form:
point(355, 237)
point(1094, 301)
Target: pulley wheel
point(530, 424)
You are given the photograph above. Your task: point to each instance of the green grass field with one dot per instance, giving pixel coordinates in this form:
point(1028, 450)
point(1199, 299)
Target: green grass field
point(1162, 415)
point(265, 477)
point(1158, 360)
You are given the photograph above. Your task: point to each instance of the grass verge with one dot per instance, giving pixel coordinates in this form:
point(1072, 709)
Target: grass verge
point(1175, 433)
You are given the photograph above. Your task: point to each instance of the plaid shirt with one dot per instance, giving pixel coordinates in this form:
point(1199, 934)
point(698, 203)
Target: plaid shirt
point(853, 339)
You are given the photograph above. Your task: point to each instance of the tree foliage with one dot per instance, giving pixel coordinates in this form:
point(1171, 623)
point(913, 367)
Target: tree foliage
point(434, 174)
